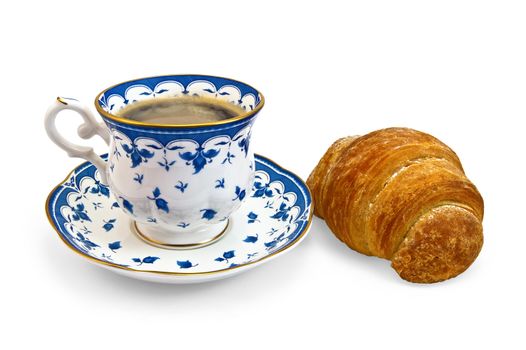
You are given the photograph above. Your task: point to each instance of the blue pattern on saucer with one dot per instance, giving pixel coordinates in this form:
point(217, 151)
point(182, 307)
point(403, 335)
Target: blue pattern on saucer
point(275, 215)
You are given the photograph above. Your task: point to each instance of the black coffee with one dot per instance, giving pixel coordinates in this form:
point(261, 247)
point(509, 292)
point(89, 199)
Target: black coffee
point(180, 110)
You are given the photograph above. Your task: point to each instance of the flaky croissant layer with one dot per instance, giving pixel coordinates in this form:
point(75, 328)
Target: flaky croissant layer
point(402, 195)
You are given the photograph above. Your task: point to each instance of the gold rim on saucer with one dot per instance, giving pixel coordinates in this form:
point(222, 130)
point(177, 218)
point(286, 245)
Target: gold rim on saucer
point(106, 263)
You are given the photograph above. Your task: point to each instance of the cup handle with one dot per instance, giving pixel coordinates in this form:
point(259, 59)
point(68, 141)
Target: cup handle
point(88, 129)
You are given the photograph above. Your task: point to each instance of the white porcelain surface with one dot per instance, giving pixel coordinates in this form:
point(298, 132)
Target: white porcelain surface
point(179, 182)
point(273, 219)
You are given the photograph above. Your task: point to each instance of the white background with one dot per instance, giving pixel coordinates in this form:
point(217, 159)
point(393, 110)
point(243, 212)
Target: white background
point(455, 69)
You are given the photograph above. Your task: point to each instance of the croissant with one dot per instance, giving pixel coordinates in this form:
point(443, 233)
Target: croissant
point(402, 195)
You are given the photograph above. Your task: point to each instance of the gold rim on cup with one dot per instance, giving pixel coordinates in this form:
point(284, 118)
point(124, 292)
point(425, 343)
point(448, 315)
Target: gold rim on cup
point(186, 246)
point(242, 116)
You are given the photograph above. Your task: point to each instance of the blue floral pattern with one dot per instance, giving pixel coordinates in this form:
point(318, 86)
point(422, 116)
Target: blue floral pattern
point(183, 159)
point(161, 203)
point(261, 230)
point(115, 99)
point(226, 255)
point(159, 174)
point(186, 151)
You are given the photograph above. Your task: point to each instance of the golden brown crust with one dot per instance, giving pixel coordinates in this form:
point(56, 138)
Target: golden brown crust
point(415, 190)
point(442, 244)
point(316, 179)
point(372, 189)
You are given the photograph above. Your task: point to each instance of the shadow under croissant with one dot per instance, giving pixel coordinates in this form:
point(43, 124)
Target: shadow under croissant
point(324, 237)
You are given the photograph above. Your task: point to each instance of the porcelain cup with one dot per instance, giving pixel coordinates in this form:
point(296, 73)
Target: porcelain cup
point(179, 184)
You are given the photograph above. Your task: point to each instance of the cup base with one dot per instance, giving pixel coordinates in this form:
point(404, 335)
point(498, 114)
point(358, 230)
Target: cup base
point(180, 240)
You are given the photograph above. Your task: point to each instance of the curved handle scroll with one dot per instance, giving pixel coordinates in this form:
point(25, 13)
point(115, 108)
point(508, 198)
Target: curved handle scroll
point(88, 129)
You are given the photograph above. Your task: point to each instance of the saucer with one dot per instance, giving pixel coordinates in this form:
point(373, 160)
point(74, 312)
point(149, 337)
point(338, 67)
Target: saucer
point(274, 218)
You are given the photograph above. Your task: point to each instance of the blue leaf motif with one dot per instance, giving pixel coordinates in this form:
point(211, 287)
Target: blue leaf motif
point(243, 144)
point(79, 213)
point(220, 183)
point(199, 158)
point(127, 205)
point(150, 259)
point(209, 90)
point(165, 164)
point(114, 246)
point(127, 148)
point(146, 260)
point(83, 216)
point(185, 264)
point(104, 190)
point(228, 158)
point(226, 255)
point(252, 217)
point(136, 155)
point(259, 192)
point(138, 177)
point(208, 214)
point(86, 242)
point(240, 194)
point(278, 215)
point(251, 239)
point(282, 213)
point(229, 255)
point(107, 226)
point(181, 186)
point(99, 189)
point(162, 205)
point(262, 190)
point(136, 159)
point(199, 163)
point(211, 153)
point(188, 156)
point(251, 255)
point(272, 244)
